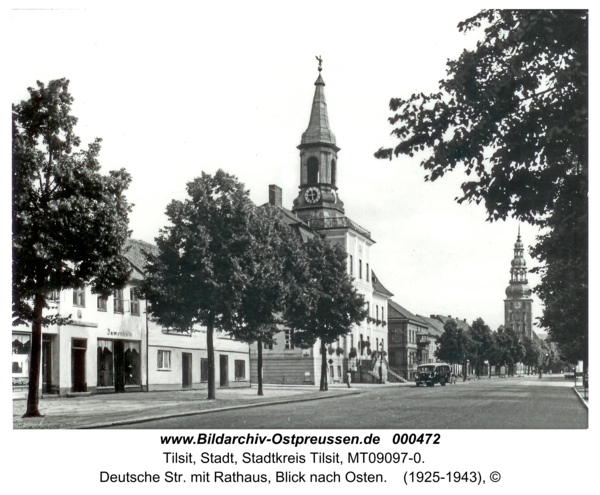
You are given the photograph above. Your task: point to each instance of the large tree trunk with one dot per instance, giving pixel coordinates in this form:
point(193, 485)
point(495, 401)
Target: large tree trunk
point(465, 371)
point(259, 363)
point(211, 359)
point(34, 363)
point(323, 387)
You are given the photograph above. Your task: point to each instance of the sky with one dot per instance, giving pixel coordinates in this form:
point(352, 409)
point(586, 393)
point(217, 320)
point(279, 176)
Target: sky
point(188, 88)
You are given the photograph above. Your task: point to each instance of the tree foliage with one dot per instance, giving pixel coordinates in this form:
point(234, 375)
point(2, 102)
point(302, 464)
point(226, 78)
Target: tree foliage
point(273, 261)
point(513, 113)
point(327, 304)
point(198, 276)
point(451, 344)
point(507, 349)
point(480, 344)
point(69, 222)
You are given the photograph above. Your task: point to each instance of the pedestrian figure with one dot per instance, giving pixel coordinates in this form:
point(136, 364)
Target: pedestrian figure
point(349, 378)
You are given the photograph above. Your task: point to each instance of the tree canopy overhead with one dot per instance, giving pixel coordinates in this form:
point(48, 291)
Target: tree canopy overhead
point(513, 112)
point(198, 277)
point(69, 222)
point(326, 304)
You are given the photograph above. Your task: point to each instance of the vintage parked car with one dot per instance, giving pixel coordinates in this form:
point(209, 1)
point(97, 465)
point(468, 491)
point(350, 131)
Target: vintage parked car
point(433, 373)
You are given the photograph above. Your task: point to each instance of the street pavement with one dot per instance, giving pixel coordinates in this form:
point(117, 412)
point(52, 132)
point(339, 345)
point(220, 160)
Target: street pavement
point(117, 409)
point(511, 403)
point(495, 403)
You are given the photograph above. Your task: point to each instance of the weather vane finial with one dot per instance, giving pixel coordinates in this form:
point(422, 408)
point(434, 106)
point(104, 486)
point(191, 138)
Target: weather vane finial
point(320, 62)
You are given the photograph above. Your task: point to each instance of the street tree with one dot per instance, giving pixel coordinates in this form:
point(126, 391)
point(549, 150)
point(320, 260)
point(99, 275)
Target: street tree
point(480, 341)
point(452, 346)
point(327, 304)
point(69, 222)
point(273, 261)
point(197, 277)
point(507, 349)
point(532, 357)
point(513, 114)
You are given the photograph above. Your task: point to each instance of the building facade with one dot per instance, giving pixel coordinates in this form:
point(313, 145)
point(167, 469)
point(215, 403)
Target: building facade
point(111, 346)
point(318, 210)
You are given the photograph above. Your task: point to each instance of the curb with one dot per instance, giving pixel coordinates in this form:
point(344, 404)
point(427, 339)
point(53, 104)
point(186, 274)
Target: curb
point(581, 399)
point(194, 413)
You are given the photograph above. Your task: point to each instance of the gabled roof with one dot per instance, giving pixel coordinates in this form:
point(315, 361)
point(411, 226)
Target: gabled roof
point(378, 286)
point(461, 324)
point(135, 253)
point(436, 327)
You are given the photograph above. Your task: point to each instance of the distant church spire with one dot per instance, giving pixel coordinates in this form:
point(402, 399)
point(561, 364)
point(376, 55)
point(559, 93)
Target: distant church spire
point(517, 305)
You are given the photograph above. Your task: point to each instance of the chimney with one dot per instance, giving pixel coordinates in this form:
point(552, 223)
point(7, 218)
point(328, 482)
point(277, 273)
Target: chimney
point(449, 316)
point(275, 195)
point(465, 319)
point(431, 316)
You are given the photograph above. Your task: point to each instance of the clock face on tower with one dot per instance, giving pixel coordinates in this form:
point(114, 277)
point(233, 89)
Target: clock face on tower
point(517, 305)
point(312, 195)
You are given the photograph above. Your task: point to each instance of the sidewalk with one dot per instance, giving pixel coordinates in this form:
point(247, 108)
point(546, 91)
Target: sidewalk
point(99, 411)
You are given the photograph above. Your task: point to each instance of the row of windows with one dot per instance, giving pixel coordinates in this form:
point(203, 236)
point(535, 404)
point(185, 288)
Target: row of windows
point(102, 302)
point(163, 361)
point(360, 270)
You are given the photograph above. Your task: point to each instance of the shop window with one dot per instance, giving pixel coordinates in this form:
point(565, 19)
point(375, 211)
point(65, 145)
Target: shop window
point(203, 370)
point(102, 303)
point(339, 372)
point(268, 346)
point(118, 297)
point(105, 363)
point(164, 360)
point(17, 367)
point(240, 369)
point(79, 298)
point(135, 302)
point(21, 343)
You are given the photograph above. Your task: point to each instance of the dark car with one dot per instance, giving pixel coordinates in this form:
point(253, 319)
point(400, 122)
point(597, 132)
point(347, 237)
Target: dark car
point(433, 373)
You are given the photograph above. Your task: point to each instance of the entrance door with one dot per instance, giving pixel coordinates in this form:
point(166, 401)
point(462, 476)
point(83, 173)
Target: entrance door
point(47, 366)
point(186, 361)
point(119, 360)
point(78, 380)
point(223, 365)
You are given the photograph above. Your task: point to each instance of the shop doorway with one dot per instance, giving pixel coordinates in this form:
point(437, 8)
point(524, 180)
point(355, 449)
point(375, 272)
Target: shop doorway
point(224, 369)
point(46, 365)
point(119, 366)
point(78, 350)
point(186, 368)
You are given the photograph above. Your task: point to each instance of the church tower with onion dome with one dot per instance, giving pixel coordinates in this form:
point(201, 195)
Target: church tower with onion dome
point(517, 305)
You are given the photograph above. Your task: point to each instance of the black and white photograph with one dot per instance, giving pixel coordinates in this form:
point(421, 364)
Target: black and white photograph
point(308, 245)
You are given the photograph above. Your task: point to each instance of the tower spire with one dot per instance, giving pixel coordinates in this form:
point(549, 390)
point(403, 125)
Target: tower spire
point(318, 131)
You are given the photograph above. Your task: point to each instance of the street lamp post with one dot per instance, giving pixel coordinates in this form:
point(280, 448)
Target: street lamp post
point(381, 364)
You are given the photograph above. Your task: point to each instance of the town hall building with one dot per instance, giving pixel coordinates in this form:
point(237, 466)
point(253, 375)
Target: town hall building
point(319, 210)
